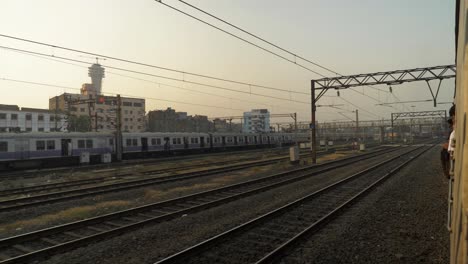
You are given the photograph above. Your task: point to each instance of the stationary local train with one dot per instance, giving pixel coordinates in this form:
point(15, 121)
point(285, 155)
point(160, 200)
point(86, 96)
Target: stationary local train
point(44, 149)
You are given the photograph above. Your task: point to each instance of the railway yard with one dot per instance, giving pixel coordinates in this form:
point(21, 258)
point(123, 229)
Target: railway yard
point(386, 205)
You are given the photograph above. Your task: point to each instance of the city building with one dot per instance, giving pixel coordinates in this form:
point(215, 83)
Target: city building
point(14, 119)
point(171, 121)
point(92, 111)
point(85, 112)
point(256, 121)
point(223, 125)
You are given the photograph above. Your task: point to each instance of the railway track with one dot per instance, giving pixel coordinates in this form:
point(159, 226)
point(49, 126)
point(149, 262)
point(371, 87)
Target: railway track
point(59, 196)
point(41, 188)
point(266, 238)
point(65, 237)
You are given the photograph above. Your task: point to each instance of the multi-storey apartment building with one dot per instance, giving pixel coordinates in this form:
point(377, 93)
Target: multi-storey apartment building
point(16, 119)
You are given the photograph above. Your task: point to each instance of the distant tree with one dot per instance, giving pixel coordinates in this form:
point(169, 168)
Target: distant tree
point(79, 124)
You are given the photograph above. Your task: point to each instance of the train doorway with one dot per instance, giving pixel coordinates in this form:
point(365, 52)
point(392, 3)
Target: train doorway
point(144, 144)
point(66, 147)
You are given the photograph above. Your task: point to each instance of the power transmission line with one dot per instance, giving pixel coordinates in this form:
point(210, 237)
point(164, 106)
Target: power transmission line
point(114, 93)
point(144, 80)
point(149, 65)
point(262, 39)
point(253, 35)
point(240, 38)
point(257, 37)
point(155, 75)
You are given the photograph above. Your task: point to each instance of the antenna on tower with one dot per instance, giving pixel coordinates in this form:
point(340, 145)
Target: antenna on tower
point(96, 58)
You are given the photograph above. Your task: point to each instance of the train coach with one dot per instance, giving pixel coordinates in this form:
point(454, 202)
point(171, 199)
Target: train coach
point(49, 149)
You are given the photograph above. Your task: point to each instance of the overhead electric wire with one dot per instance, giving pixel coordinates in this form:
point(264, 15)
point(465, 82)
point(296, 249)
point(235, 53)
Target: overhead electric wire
point(155, 75)
point(408, 102)
point(144, 80)
point(359, 107)
point(114, 93)
point(262, 39)
point(253, 35)
point(257, 37)
point(240, 38)
point(149, 65)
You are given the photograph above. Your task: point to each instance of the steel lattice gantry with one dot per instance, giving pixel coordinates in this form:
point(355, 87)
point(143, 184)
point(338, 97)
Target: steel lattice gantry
point(441, 113)
point(437, 113)
point(390, 78)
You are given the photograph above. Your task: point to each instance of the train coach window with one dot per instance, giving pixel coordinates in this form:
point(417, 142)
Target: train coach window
point(14, 116)
point(89, 143)
point(176, 141)
point(2, 116)
point(193, 140)
point(111, 142)
point(3, 146)
point(128, 142)
point(50, 144)
point(135, 142)
point(81, 144)
point(40, 145)
point(28, 116)
point(229, 139)
point(153, 141)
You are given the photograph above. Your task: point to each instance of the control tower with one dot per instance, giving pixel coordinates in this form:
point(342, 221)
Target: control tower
point(96, 72)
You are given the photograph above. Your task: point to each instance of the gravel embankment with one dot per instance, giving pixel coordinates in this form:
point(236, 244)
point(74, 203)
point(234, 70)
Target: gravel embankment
point(29, 219)
point(152, 243)
point(401, 221)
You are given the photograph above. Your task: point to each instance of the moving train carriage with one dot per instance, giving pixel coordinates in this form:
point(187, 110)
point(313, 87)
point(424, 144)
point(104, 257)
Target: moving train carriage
point(160, 141)
point(52, 145)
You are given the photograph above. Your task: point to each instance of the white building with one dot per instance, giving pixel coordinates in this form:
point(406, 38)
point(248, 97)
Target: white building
point(14, 119)
point(102, 111)
point(256, 121)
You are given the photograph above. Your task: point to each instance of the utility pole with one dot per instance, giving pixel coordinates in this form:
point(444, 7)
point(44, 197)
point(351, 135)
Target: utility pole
point(95, 121)
point(119, 138)
point(295, 128)
point(313, 143)
point(56, 110)
point(357, 124)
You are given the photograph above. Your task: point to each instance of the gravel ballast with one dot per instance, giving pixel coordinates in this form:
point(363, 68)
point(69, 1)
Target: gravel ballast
point(152, 243)
point(401, 221)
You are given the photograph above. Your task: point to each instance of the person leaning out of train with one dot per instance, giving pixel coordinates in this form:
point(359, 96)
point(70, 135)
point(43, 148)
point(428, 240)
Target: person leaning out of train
point(452, 142)
point(444, 154)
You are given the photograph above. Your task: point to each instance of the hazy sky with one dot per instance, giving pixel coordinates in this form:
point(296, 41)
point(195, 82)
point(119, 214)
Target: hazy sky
point(349, 37)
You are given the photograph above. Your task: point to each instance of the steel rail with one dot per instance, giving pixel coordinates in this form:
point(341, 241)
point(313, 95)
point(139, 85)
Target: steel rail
point(220, 195)
point(276, 254)
point(228, 235)
point(48, 198)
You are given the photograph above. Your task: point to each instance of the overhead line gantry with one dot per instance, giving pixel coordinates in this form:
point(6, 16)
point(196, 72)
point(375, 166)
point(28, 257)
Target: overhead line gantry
point(389, 78)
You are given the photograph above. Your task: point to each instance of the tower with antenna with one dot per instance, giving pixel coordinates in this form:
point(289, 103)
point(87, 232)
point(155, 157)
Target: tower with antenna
point(96, 72)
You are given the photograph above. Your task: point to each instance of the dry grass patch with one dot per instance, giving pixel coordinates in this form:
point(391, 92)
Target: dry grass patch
point(152, 195)
point(333, 156)
point(68, 215)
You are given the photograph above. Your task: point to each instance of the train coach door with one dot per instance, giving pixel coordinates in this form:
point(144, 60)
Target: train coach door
point(167, 144)
point(246, 140)
point(22, 148)
point(186, 143)
point(223, 141)
point(66, 147)
point(144, 144)
point(202, 142)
